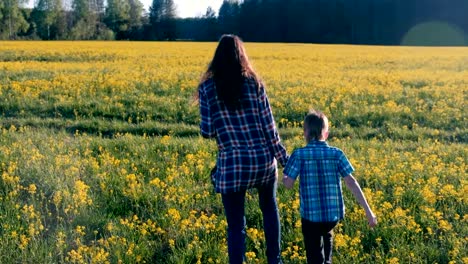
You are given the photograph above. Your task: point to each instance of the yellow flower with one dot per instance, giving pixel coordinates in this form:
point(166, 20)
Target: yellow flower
point(24, 241)
point(250, 255)
point(174, 214)
point(32, 189)
point(171, 243)
point(340, 240)
point(80, 230)
point(61, 236)
point(445, 225)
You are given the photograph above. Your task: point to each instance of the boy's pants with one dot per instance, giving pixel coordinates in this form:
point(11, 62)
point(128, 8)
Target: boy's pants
point(234, 209)
point(318, 240)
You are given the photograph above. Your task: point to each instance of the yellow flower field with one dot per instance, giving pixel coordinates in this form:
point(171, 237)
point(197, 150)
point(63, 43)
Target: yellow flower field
point(101, 161)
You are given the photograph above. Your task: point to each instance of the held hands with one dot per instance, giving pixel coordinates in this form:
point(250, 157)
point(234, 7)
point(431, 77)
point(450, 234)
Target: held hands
point(288, 182)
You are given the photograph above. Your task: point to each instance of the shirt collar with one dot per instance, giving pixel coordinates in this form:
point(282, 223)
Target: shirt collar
point(316, 143)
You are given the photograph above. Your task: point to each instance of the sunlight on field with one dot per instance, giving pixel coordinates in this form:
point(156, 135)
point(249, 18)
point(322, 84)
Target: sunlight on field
point(101, 161)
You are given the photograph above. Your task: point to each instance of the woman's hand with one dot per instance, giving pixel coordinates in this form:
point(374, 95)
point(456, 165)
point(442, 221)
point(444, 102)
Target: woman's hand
point(372, 219)
point(288, 182)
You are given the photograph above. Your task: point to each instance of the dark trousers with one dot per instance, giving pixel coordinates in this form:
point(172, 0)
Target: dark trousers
point(318, 240)
point(234, 210)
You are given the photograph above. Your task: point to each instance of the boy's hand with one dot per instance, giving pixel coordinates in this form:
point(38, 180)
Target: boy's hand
point(288, 182)
point(372, 219)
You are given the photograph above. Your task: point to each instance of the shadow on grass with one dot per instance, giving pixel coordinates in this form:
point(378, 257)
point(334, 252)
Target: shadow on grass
point(108, 128)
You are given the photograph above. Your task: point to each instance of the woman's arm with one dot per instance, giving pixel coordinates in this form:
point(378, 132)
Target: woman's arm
point(270, 130)
point(206, 126)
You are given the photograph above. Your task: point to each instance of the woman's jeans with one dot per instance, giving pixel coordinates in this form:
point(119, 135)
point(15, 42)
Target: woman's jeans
point(318, 240)
point(234, 210)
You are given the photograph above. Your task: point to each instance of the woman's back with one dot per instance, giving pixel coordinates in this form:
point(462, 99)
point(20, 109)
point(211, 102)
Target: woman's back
point(237, 126)
point(245, 159)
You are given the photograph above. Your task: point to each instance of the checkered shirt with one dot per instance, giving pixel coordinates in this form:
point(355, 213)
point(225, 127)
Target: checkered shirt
point(247, 138)
point(320, 168)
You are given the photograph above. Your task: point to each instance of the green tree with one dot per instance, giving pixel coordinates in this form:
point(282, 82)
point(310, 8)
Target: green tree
point(87, 20)
point(156, 11)
point(12, 20)
point(49, 18)
point(162, 18)
point(210, 25)
point(136, 11)
point(117, 16)
point(228, 16)
point(169, 20)
point(81, 20)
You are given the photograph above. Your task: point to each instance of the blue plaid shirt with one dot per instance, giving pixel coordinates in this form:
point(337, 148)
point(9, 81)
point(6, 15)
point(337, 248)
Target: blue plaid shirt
point(247, 138)
point(320, 168)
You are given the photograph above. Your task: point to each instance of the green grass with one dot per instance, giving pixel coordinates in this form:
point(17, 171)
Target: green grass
point(99, 166)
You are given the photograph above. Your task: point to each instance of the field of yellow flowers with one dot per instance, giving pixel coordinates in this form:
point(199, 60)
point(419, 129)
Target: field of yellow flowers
point(101, 160)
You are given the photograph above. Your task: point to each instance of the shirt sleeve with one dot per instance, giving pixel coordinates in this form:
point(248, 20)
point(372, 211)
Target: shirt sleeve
point(206, 126)
point(269, 128)
point(344, 166)
point(293, 166)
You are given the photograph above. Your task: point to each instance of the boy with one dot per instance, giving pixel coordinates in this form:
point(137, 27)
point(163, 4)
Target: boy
point(321, 168)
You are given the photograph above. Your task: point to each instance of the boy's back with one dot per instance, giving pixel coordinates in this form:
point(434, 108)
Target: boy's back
point(320, 168)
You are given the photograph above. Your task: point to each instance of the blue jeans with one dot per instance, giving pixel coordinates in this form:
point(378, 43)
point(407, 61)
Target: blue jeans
point(234, 210)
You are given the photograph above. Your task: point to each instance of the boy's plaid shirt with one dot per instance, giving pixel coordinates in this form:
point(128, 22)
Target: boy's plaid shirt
point(320, 168)
point(247, 138)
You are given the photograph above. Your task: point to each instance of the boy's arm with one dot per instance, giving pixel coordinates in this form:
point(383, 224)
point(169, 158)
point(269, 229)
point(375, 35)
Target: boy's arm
point(288, 182)
point(353, 185)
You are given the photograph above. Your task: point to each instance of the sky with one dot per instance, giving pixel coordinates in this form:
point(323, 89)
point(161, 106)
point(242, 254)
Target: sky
point(190, 8)
point(185, 8)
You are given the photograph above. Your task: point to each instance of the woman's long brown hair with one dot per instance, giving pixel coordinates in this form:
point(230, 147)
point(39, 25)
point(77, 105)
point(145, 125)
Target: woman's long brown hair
point(229, 69)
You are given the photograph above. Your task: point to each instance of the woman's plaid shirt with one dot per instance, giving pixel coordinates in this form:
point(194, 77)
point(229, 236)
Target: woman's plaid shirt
point(320, 168)
point(247, 138)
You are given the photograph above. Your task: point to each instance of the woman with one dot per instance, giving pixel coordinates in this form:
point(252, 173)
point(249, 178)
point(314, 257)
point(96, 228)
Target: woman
point(235, 110)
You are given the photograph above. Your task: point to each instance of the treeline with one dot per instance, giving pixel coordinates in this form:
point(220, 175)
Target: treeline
point(335, 21)
point(316, 21)
point(87, 20)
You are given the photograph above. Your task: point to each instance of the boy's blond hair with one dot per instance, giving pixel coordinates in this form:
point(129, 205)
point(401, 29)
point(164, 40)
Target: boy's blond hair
point(315, 125)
